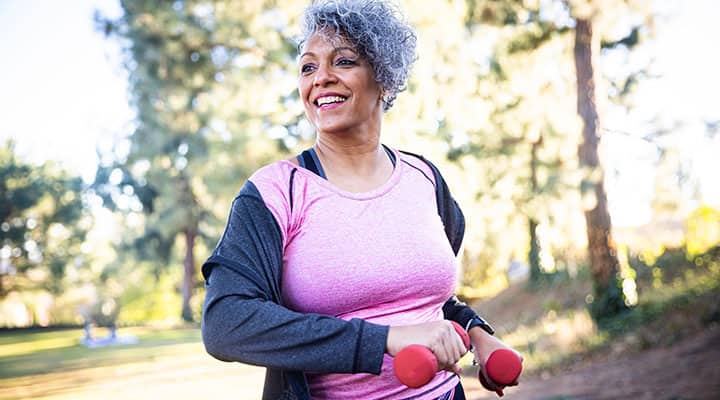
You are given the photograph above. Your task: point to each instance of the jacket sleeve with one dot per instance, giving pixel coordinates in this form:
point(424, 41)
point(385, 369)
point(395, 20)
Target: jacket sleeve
point(243, 319)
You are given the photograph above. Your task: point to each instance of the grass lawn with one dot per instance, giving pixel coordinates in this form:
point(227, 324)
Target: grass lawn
point(169, 363)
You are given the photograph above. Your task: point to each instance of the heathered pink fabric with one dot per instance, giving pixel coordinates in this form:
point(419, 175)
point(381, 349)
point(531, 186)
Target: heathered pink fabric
point(381, 255)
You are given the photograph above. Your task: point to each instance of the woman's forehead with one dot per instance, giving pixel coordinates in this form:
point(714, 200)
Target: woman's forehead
point(327, 38)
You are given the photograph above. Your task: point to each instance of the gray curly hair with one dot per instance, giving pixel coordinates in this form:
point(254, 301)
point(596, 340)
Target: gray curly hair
point(378, 32)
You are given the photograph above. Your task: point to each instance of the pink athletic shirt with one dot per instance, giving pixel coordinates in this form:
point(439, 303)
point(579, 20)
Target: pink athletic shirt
point(381, 255)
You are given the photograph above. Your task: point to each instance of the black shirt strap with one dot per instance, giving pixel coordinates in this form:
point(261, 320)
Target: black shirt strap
point(309, 160)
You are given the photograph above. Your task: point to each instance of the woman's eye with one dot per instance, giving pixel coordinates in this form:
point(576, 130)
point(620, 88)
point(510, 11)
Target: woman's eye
point(346, 61)
point(306, 68)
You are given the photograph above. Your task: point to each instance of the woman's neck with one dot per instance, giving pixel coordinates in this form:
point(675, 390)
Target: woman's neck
point(352, 164)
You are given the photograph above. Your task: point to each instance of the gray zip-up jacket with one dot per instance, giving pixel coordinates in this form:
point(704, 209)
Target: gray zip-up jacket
point(244, 318)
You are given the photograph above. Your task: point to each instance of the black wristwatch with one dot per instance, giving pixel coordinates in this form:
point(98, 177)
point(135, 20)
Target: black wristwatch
point(477, 321)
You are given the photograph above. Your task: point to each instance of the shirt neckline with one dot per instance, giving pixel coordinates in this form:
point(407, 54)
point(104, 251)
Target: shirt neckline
point(366, 195)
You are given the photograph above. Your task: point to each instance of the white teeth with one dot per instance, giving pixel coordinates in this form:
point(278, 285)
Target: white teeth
point(329, 99)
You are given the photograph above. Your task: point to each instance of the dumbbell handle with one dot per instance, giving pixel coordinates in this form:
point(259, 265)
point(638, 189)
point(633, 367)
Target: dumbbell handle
point(416, 365)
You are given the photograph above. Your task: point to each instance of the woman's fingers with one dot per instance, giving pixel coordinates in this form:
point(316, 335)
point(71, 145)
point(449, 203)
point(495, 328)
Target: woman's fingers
point(487, 382)
point(448, 347)
point(439, 336)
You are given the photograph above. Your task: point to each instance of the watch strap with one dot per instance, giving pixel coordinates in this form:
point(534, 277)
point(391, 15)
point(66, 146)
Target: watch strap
point(478, 321)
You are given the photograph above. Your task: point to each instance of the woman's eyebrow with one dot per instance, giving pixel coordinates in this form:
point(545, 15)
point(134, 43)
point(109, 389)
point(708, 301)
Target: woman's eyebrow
point(339, 49)
point(335, 51)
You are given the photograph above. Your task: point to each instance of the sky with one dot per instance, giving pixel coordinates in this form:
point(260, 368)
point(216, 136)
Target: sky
point(63, 95)
point(684, 60)
point(62, 89)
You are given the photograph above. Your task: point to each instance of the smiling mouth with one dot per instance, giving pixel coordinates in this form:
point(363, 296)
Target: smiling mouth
point(329, 100)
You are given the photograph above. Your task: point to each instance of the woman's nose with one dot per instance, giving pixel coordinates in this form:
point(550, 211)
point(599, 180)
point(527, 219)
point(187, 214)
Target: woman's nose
point(323, 76)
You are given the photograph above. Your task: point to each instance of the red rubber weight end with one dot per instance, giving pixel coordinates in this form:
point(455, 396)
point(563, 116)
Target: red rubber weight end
point(486, 384)
point(504, 367)
point(415, 366)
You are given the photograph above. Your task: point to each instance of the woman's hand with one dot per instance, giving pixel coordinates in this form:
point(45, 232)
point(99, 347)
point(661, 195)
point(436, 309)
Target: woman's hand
point(439, 336)
point(483, 345)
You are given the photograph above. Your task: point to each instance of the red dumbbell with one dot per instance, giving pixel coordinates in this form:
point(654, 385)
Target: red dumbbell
point(503, 367)
point(416, 365)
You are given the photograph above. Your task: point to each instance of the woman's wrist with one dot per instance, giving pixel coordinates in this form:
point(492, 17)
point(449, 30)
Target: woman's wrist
point(483, 343)
point(479, 336)
point(396, 339)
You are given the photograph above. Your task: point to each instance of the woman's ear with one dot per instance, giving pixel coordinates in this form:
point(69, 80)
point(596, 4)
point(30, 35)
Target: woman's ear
point(385, 95)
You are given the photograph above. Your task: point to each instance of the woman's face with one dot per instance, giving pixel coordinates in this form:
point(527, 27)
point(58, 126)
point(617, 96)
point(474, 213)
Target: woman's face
point(338, 87)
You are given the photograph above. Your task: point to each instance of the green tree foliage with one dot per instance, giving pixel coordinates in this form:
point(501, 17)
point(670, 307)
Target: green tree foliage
point(214, 88)
point(169, 70)
point(531, 28)
point(703, 230)
point(524, 149)
point(43, 222)
point(205, 81)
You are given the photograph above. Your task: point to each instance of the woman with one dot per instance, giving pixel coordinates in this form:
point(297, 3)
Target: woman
point(334, 261)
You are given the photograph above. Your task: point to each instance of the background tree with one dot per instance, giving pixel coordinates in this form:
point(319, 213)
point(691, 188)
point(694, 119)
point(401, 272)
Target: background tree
point(202, 79)
point(522, 149)
point(206, 80)
point(602, 251)
point(533, 25)
point(43, 222)
point(168, 72)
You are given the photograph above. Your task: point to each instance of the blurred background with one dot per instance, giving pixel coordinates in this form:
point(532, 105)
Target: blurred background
point(580, 137)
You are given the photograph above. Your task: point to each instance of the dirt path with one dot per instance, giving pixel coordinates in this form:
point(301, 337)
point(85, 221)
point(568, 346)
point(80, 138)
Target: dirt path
point(690, 369)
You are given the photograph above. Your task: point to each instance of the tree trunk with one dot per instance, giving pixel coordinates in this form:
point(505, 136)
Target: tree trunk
point(189, 274)
point(534, 253)
point(604, 265)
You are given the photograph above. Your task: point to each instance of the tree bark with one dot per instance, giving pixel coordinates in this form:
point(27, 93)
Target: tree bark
point(601, 249)
point(188, 274)
point(534, 252)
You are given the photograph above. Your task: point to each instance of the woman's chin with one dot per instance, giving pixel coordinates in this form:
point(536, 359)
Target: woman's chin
point(333, 126)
